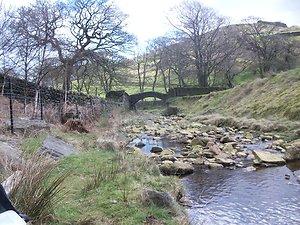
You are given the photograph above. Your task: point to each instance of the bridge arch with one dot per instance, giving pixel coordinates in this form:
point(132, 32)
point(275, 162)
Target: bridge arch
point(133, 99)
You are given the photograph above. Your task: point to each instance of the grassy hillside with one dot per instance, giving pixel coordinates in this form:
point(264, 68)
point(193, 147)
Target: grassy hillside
point(275, 97)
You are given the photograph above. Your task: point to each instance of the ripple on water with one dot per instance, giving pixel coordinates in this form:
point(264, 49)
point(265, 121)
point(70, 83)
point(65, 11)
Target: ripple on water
point(236, 197)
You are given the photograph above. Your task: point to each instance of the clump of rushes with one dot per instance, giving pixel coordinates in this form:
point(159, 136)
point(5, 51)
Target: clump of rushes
point(36, 191)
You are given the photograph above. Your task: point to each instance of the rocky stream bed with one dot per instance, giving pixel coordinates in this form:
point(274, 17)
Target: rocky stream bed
point(238, 176)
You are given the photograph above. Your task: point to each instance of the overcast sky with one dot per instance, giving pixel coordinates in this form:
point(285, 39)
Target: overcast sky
point(147, 18)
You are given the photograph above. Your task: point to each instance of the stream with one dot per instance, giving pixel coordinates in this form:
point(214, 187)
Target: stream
point(237, 196)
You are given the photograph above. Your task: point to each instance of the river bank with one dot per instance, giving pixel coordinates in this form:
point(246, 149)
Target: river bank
point(105, 184)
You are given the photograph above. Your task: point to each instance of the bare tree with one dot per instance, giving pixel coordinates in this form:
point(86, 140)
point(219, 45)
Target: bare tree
point(262, 39)
point(201, 26)
point(75, 30)
point(179, 62)
point(7, 40)
point(141, 61)
point(95, 25)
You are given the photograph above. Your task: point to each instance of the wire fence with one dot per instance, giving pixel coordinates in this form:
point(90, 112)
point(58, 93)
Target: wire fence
point(20, 100)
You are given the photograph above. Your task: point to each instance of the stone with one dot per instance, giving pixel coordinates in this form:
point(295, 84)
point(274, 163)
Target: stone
point(154, 157)
point(183, 140)
point(57, 147)
point(266, 137)
point(208, 154)
point(224, 161)
point(241, 154)
point(279, 142)
point(267, 157)
point(200, 141)
point(26, 127)
point(160, 199)
point(9, 154)
point(192, 155)
point(136, 130)
point(167, 152)
point(281, 149)
point(167, 162)
point(228, 147)
point(176, 168)
point(197, 148)
point(140, 144)
point(198, 161)
point(214, 166)
point(133, 150)
point(215, 149)
point(156, 149)
point(248, 135)
point(226, 139)
point(184, 201)
point(293, 151)
point(170, 111)
point(168, 157)
point(249, 169)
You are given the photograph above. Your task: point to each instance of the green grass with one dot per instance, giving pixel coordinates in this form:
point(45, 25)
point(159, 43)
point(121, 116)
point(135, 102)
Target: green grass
point(274, 98)
point(32, 144)
point(244, 78)
point(117, 200)
point(105, 186)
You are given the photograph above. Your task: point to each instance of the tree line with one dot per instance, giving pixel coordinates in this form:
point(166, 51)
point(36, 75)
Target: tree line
point(80, 44)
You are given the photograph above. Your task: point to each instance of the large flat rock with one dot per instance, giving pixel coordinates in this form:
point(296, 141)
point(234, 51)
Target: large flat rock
point(268, 157)
point(26, 126)
point(57, 147)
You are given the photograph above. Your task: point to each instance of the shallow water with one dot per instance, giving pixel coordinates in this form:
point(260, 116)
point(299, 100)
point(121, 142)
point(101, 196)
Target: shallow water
point(239, 197)
point(226, 196)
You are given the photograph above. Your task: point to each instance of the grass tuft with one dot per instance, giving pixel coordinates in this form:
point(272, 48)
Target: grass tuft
point(37, 191)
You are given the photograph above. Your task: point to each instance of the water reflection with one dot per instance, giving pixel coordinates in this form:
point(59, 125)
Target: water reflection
point(237, 197)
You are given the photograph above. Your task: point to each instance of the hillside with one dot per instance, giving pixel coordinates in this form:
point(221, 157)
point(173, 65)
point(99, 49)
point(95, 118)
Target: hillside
point(275, 97)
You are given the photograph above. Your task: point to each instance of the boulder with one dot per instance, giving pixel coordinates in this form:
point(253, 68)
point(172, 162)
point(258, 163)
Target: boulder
point(214, 149)
point(133, 150)
point(241, 154)
point(226, 139)
point(268, 158)
point(200, 141)
point(248, 135)
point(176, 168)
point(140, 144)
point(167, 152)
point(168, 158)
point(170, 111)
point(27, 127)
point(156, 149)
point(293, 151)
point(228, 147)
point(57, 147)
point(198, 161)
point(266, 137)
point(161, 199)
point(278, 142)
point(224, 161)
point(214, 165)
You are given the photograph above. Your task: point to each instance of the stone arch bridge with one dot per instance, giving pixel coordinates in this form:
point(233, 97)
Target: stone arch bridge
point(129, 101)
point(133, 99)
